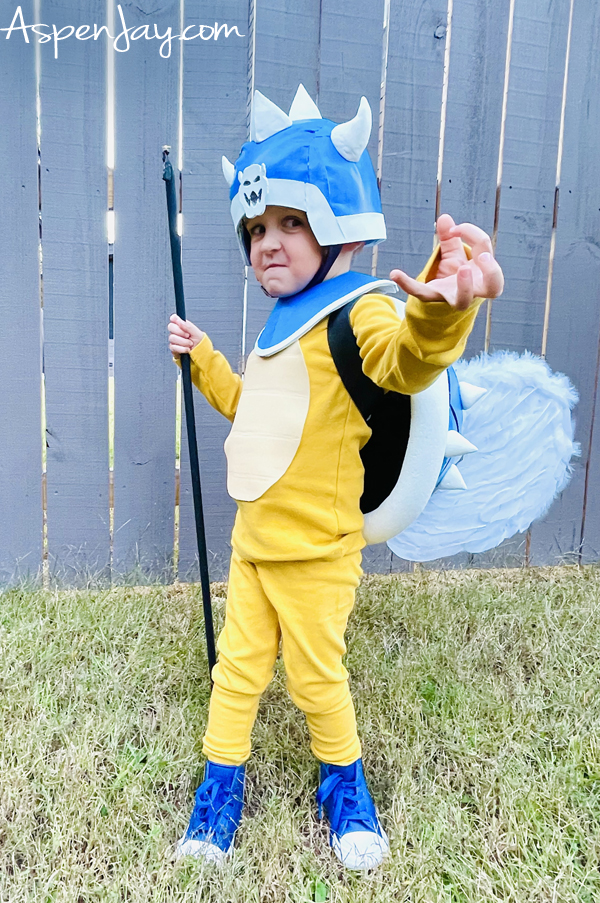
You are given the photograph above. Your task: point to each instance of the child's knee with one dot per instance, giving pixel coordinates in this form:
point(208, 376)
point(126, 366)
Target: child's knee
point(314, 695)
point(249, 681)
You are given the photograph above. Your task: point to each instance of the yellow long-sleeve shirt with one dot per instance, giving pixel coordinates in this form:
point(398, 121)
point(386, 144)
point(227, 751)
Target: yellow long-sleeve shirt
point(313, 510)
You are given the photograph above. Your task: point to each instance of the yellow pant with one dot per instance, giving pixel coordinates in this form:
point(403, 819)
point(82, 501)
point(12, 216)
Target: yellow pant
point(306, 604)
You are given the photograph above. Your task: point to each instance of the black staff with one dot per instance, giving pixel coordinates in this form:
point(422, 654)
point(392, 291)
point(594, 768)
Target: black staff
point(189, 408)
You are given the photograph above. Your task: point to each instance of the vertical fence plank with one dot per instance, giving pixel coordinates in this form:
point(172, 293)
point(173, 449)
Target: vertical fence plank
point(574, 325)
point(350, 57)
point(411, 140)
point(539, 44)
point(590, 545)
point(215, 92)
point(73, 174)
point(146, 117)
point(472, 140)
point(529, 172)
point(411, 133)
point(473, 121)
point(538, 48)
point(20, 369)
point(286, 53)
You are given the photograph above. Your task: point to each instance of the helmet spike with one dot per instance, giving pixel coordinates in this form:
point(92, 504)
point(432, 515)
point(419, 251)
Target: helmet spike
point(228, 170)
point(303, 106)
point(351, 138)
point(267, 118)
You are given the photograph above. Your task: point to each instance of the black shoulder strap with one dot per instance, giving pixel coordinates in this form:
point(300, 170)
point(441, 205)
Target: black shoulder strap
point(387, 413)
point(346, 356)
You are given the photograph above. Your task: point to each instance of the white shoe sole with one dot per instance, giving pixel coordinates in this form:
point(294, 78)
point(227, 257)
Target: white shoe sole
point(361, 850)
point(201, 849)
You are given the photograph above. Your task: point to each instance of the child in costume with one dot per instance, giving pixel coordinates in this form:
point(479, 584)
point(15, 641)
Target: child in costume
point(304, 198)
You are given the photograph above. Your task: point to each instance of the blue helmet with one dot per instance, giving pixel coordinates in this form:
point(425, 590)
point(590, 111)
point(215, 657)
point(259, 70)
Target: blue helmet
point(309, 163)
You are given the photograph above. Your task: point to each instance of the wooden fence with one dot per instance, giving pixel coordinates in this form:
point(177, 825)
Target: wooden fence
point(489, 111)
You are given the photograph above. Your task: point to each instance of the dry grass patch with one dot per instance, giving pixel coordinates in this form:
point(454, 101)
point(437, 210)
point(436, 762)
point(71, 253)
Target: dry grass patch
point(477, 701)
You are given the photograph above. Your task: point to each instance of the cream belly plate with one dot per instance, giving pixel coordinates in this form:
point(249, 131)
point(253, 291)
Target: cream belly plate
point(268, 424)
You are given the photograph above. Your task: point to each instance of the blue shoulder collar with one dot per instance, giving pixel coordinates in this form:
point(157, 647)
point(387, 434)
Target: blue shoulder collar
point(293, 316)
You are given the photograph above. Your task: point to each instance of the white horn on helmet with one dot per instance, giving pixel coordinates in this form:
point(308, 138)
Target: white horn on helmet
point(228, 170)
point(351, 138)
point(267, 118)
point(303, 106)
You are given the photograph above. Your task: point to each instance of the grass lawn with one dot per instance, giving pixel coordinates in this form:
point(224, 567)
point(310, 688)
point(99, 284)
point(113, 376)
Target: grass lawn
point(478, 705)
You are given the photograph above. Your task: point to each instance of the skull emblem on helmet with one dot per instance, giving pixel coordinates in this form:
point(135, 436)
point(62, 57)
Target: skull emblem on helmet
point(255, 188)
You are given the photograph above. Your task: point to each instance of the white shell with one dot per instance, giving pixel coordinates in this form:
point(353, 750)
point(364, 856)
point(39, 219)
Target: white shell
point(228, 170)
point(267, 118)
point(458, 445)
point(303, 106)
point(351, 138)
point(453, 479)
point(421, 468)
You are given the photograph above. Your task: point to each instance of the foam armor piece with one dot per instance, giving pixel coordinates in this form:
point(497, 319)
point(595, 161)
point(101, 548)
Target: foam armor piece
point(524, 431)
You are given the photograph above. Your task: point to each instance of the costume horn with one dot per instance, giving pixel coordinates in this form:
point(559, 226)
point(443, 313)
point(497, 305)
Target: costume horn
point(267, 118)
point(303, 106)
point(228, 170)
point(351, 138)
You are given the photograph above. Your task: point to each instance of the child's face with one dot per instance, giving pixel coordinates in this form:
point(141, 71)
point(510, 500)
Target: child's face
point(284, 253)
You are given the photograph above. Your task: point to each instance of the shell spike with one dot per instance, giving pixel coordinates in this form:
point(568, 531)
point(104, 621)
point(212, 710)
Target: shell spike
point(351, 138)
point(458, 445)
point(303, 106)
point(469, 394)
point(453, 479)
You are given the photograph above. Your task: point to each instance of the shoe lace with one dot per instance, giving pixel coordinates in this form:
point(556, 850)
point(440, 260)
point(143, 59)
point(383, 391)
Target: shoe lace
point(349, 804)
point(211, 807)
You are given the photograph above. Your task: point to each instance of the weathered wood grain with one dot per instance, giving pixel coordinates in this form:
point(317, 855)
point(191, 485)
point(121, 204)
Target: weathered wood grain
point(473, 122)
point(533, 111)
point(574, 325)
point(73, 192)
point(146, 118)
point(215, 91)
point(20, 361)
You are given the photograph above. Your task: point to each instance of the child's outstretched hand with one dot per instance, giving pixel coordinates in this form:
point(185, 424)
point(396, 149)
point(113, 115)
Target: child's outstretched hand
point(183, 335)
point(458, 281)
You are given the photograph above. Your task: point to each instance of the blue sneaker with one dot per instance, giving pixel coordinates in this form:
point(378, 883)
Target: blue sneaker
point(355, 834)
point(217, 813)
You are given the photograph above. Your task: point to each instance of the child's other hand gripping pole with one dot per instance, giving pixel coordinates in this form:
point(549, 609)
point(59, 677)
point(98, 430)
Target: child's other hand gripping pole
point(459, 281)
